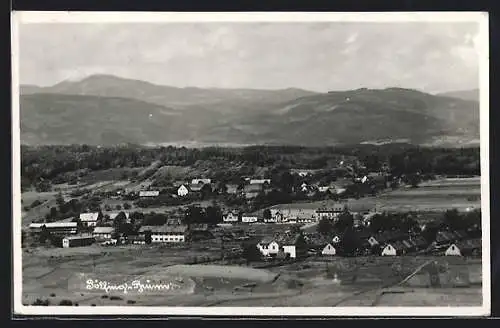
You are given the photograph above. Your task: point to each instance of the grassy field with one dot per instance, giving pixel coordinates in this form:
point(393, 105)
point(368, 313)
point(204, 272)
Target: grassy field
point(314, 282)
point(439, 195)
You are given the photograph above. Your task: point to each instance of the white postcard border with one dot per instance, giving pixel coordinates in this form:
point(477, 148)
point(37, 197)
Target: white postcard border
point(138, 17)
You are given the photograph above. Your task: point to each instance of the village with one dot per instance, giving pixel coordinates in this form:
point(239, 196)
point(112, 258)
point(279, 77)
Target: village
point(330, 228)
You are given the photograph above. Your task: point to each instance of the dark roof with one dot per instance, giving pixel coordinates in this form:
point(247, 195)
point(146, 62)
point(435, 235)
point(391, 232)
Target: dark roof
point(470, 244)
point(199, 227)
point(165, 229)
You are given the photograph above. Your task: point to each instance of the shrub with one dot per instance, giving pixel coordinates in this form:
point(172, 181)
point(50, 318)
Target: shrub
point(104, 296)
point(130, 302)
point(66, 302)
point(52, 295)
point(92, 304)
point(41, 302)
point(115, 298)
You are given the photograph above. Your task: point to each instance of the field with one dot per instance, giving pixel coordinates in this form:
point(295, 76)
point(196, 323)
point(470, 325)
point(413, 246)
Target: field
point(434, 196)
point(370, 281)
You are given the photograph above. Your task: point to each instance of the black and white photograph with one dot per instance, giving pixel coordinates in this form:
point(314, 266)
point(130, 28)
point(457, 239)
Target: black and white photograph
point(251, 164)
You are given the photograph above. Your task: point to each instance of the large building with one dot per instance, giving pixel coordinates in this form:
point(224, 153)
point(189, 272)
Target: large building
point(58, 228)
point(89, 219)
point(77, 241)
point(166, 233)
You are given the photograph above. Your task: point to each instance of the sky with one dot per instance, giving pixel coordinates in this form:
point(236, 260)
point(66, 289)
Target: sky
point(432, 57)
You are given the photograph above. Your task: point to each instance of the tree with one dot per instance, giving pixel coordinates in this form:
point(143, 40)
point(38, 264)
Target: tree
point(44, 234)
point(118, 207)
point(251, 254)
point(452, 219)
point(266, 215)
point(213, 215)
point(344, 221)
point(60, 199)
point(324, 227)
point(119, 222)
point(126, 206)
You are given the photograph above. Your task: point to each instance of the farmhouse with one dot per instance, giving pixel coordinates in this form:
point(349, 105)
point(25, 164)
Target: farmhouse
point(331, 213)
point(149, 193)
point(101, 233)
point(136, 240)
point(77, 241)
point(329, 250)
point(294, 246)
point(393, 249)
point(268, 247)
point(182, 191)
point(453, 250)
point(230, 217)
point(89, 219)
point(465, 248)
point(201, 181)
point(166, 233)
point(260, 181)
point(57, 228)
point(249, 219)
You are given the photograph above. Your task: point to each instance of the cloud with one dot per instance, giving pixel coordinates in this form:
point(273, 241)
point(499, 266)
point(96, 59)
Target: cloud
point(316, 56)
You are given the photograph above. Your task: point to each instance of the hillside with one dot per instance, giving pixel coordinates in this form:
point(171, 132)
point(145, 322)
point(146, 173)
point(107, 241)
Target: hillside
point(360, 116)
point(66, 119)
point(288, 116)
point(464, 94)
point(177, 98)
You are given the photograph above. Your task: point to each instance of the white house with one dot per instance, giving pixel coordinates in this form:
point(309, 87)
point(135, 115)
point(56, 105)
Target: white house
point(453, 250)
point(329, 250)
point(89, 219)
point(182, 191)
point(304, 187)
point(373, 241)
point(249, 219)
point(166, 233)
point(201, 181)
point(323, 188)
point(336, 239)
point(268, 247)
point(260, 181)
point(389, 250)
point(331, 213)
point(103, 232)
point(230, 217)
point(290, 250)
point(149, 193)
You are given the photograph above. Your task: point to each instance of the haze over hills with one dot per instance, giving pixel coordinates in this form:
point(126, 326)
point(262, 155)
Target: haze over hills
point(462, 94)
point(104, 109)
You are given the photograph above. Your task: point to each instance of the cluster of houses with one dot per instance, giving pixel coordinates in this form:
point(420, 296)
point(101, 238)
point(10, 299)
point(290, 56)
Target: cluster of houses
point(389, 243)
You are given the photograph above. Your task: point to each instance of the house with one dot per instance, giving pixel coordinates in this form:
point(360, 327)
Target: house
point(253, 190)
point(465, 248)
point(336, 239)
point(201, 181)
point(249, 219)
point(329, 250)
point(166, 233)
point(77, 241)
point(268, 247)
point(331, 213)
point(294, 246)
point(101, 233)
point(396, 248)
point(57, 228)
point(137, 240)
point(260, 181)
point(231, 189)
point(230, 217)
point(304, 187)
point(182, 191)
point(89, 219)
point(453, 250)
point(173, 221)
point(323, 189)
point(389, 250)
point(196, 187)
point(149, 193)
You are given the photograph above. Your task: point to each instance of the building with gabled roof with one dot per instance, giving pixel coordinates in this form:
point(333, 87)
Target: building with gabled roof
point(89, 219)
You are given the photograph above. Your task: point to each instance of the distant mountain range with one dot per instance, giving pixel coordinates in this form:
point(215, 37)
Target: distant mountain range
point(104, 109)
point(463, 94)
